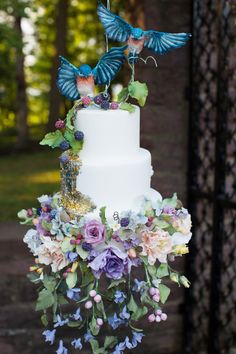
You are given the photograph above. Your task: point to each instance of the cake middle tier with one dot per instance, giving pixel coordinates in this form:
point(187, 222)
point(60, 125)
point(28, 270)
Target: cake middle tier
point(116, 184)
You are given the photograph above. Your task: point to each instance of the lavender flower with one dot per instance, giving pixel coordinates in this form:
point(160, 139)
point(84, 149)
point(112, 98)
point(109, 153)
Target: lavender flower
point(119, 296)
point(73, 294)
point(111, 261)
point(137, 338)
point(71, 256)
point(88, 336)
point(60, 322)
point(114, 321)
point(94, 232)
point(76, 343)
point(124, 315)
point(61, 349)
point(77, 315)
point(49, 336)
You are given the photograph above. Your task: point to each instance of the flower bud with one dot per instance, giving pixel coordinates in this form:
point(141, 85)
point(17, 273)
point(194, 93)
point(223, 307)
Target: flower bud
point(156, 298)
point(35, 222)
point(32, 269)
point(184, 281)
point(164, 316)
point(97, 298)
point(174, 277)
point(158, 319)
point(152, 291)
point(92, 293)
point(151, 318)
point(88, 305)
point(99, 322)
point(132, 253)
point(158, 312)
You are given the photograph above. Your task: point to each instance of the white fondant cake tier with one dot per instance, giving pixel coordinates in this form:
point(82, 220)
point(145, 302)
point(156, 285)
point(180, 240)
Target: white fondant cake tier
point(108, 134)
point(116, 183)
point(115, 171)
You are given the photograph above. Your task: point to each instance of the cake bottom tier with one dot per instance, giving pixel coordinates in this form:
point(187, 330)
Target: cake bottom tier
point(118, 185)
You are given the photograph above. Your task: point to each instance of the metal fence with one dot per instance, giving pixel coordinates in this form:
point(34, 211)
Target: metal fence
point(211, 302)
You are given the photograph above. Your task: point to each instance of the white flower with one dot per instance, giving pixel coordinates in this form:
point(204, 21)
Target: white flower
point(113, 224)
point(50, 252)
point(179, 238)
point(33, 240)
point(44, 198)
point(183, 223)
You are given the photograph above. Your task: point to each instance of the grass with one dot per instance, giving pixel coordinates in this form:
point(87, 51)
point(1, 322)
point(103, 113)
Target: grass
point(23, 178)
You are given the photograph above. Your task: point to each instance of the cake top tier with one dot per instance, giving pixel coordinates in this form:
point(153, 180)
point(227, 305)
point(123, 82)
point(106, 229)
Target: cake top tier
point(109, 134)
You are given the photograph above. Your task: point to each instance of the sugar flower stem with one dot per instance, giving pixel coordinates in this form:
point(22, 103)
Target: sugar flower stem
point(147, 275)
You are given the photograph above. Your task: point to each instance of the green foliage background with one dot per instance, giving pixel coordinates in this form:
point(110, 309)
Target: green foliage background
point(85, 43)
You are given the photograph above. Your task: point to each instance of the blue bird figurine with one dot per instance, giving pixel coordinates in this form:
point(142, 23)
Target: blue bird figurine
point(117, 29)
point(74, 83)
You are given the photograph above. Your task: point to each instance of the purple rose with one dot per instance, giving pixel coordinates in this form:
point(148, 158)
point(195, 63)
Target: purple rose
point(111, 261)
point(94, 232)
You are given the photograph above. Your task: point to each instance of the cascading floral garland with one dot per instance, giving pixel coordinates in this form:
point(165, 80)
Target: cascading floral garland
point(74, 256)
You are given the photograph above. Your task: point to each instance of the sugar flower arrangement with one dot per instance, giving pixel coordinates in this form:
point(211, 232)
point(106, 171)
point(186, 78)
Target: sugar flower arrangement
point(74, 256)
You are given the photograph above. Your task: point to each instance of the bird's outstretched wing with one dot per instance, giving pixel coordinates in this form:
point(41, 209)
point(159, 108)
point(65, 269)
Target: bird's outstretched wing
point(66, 79)
point(115, 27)
point(162, 42)
point(109, 65)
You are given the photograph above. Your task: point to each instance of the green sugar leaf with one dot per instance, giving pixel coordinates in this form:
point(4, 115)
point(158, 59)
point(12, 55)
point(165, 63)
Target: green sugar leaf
point(49, 282)
point(127, 107)
point(45, 300)
point(102, 215)
point(162, 270)
point(71, 280)
point(69, 117)
point(81, 252)
point(140, 312)
point(139, 91)
point(164, 292)
point(66, 246)
point(170, 202)
point(53, 139)
point(115, 283)
point(110, 342)
point(76, 145)
point(123, 94)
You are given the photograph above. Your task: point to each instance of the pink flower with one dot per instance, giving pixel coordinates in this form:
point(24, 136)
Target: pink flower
point(50, 253)
point(156, 245)
point(94, 232)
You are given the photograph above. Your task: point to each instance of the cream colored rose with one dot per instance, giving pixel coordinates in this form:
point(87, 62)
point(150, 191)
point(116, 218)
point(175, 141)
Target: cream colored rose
point(156, 245)
point(50, 253)
point(183, 224)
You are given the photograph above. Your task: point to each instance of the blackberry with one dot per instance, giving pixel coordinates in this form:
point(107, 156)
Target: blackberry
point(105, 105)
point(64, 159)
point(124, 222)
point(87, 246)
point(98, 99)
point(39, 211)
point(64, 145)
point(79, 135)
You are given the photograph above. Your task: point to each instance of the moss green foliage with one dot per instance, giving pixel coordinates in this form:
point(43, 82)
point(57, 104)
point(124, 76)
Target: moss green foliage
point(25, 177)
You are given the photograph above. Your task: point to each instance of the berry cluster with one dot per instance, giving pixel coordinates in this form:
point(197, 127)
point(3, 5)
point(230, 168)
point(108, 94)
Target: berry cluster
point(102, 100)
point(89, 304)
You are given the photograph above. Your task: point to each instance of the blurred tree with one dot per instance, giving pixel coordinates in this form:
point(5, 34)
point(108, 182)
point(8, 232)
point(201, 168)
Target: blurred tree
point(55, 98)
point(13, 83)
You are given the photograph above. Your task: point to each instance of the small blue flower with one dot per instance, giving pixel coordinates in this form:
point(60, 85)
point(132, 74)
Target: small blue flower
point(49, 336)
point(114, 321)
point(76, 343)
point(61, 349)
point(60, 322)
point(137, 338)
point(138, 286)
point(119, 297)
point(88, 336)
point(77, 315)
point(127, 343)
point(74, 294)
point(125, 315)
point(71, 256)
